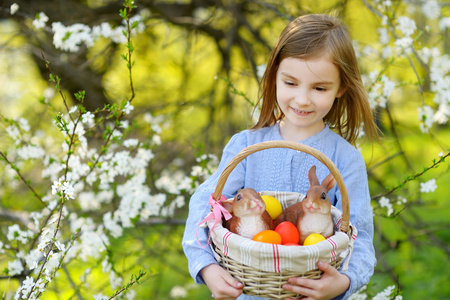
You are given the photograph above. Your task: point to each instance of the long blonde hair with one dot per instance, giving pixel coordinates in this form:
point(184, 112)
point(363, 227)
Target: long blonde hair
point(310, 36)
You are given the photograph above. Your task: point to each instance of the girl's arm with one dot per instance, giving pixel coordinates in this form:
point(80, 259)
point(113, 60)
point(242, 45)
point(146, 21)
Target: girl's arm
point(362, 260)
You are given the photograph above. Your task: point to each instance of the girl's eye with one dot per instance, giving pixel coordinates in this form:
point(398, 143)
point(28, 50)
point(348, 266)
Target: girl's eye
point(290, 83)
point(320, 89)
point(239, 197)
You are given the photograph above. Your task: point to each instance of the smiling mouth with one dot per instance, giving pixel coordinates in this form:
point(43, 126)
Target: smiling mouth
point(301, 112)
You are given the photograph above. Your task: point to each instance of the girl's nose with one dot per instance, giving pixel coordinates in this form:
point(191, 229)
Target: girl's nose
point(302, 97)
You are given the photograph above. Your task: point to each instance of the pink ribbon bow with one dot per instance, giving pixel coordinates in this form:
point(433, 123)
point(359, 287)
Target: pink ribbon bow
point(217, 212)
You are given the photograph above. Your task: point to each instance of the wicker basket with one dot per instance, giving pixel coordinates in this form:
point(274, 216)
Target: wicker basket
point(264, 280)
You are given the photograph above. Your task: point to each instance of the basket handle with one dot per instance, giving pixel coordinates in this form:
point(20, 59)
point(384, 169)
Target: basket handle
point(295, 146)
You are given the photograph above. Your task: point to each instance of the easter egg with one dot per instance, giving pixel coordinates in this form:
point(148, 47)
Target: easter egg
point(313, 238)
point(289, 233)
point(268, 236)
point(273, 206)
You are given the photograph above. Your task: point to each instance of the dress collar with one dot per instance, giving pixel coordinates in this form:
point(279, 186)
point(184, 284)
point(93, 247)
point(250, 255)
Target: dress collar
point(276, 135)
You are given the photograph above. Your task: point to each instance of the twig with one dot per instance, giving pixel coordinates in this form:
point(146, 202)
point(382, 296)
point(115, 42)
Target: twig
point(413, 177)
point(13, 166)
point(130, 284)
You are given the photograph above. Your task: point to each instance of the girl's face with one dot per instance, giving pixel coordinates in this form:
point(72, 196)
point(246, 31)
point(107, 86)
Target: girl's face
point(306, 90)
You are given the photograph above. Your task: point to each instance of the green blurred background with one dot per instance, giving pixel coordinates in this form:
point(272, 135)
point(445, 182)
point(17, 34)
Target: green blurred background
point(196, 66)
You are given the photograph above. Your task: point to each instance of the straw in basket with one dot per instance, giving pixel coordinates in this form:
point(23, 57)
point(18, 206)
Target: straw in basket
point(263, 268)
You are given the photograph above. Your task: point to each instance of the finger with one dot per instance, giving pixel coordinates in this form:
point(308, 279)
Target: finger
point(232, 281)
point(326, 268)
point(299, 289)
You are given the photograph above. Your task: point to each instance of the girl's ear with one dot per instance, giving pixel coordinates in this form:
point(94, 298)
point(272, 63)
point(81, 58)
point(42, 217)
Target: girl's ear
point(341, 91)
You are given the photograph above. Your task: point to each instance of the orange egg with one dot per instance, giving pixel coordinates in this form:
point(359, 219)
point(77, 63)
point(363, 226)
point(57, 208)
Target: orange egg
point(268, 236)
point(289, 233)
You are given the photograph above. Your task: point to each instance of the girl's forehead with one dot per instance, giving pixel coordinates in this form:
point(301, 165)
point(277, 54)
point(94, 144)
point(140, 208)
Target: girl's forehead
point(319, 67)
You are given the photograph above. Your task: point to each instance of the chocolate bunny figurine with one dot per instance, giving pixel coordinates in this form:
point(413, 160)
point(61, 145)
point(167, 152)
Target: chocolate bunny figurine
point(313, 213)
point(249, 215)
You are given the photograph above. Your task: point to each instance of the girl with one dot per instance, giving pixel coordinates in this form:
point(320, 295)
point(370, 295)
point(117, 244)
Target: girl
point(312, 93)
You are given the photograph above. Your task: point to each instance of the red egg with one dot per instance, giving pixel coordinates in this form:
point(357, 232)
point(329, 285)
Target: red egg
point(289, 233)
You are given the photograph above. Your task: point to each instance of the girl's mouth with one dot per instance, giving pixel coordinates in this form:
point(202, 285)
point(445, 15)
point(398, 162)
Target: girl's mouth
point(301, 112)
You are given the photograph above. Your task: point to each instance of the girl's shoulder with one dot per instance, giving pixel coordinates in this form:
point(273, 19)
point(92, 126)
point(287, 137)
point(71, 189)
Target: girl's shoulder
point(250, 136)
point(340, 149)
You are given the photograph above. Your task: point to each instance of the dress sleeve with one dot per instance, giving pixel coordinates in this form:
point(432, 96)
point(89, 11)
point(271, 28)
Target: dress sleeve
point(195, 239)
point(362, 261)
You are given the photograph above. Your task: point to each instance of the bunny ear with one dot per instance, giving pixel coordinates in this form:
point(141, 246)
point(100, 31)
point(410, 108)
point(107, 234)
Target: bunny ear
point(313, 177)
point(228, 204)
point(329, 182)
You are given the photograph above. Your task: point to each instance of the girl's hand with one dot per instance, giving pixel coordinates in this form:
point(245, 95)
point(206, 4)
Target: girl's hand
point(222, 285)
point(331, 284)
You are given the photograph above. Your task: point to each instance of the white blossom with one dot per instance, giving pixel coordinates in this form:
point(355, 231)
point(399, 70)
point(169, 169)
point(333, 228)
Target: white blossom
point(128, 108)
point(114, 280)
point(384, 35)
point(106, 266)
point(386, 52)
point(40, 21)
point(406, 25)
point(111, 225)
point(32, 258)
point(403, 45)
point(16, 234)
point(124, 124)
point(426, 116)
point(442, 114)
point(93, 243)
point(30, 152)
point(130, 294)
point(386, 294)
point(52, 262)
point(385, 202)
point(131, 143)
point(260, 70)
point(156, 139)
point(64, 187)
point(72, 109)
point(14, 133)
point(15, 267)
point(48, 94)
point(88, 119)
point(431, 9)
point(13, 8)
point(444, 23)
point(23, 123)
point(60, 246)
point(429, 186)
point(178, 292)
point(72, 37)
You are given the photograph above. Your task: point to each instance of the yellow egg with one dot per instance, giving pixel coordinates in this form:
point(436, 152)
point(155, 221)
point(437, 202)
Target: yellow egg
point(273, 206)
point(313, 238)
